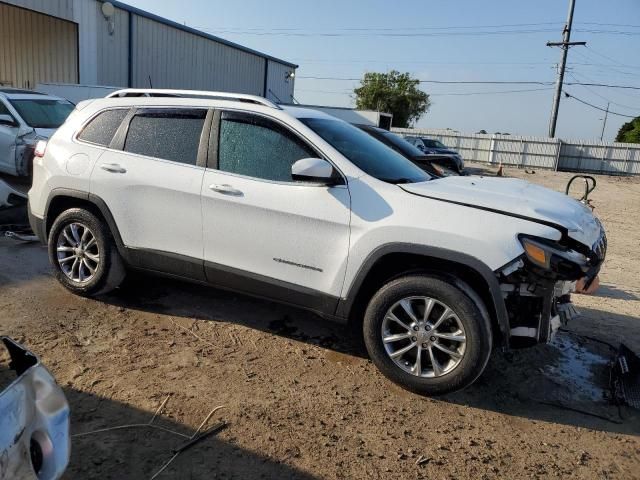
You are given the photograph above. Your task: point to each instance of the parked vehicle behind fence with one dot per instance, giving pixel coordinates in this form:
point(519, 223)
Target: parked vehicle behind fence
point(433, 165)
point(431, 147)
point(296, 206)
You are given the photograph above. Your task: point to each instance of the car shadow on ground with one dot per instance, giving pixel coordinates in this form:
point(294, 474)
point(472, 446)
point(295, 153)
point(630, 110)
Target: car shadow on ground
point(616, 292)
point(172, 297)
point(141, 451)
point(523, 383)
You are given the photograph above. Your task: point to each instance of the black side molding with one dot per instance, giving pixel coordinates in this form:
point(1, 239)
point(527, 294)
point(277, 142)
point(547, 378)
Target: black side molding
point(270, 289)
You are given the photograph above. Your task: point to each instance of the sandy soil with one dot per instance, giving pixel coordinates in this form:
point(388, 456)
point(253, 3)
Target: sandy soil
point(301, 399)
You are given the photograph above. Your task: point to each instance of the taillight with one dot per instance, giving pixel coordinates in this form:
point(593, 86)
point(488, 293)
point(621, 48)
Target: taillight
point(41, 147)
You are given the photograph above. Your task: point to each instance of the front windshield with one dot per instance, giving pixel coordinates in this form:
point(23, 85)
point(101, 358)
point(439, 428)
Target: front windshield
point(433, 143)
point(367, 153)
point(43, 112)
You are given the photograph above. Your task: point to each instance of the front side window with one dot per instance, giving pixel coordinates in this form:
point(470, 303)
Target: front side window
point(4, 110)
point(168, 134)
point(43, 113)
point(257, 147)
point(101, 129)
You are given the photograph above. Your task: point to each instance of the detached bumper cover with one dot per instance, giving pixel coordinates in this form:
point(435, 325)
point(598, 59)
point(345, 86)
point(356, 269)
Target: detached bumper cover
point(34, 421)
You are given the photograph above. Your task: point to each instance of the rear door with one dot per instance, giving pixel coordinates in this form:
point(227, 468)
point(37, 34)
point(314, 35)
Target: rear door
point(151, 180)
point(263, 232)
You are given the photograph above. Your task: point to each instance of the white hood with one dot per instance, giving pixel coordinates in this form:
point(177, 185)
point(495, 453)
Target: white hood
point(517, 197)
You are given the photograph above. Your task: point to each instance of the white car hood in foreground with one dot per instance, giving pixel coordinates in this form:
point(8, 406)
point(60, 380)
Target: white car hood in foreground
point(515, 197)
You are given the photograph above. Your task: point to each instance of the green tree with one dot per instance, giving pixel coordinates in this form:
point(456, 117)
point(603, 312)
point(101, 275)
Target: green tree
point(395, 93)
point(629, 132)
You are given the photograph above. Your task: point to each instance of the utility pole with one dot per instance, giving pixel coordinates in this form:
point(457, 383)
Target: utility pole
point(604, 123)
point(564, 45)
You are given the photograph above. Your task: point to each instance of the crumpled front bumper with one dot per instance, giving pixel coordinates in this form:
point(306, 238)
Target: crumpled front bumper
point(34, 421)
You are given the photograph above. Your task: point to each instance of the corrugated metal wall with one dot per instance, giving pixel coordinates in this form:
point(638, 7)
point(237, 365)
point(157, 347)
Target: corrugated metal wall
point(177, 59)
point(113, 48)
point(279, 87)
point(172, 57)
point(25, 58)
point(57, 8)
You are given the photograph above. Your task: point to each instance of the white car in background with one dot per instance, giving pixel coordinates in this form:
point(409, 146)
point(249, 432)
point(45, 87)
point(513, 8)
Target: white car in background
point(26, 117)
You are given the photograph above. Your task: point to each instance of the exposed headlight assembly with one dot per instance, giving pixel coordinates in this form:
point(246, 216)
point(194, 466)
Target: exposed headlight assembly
point(554, 258)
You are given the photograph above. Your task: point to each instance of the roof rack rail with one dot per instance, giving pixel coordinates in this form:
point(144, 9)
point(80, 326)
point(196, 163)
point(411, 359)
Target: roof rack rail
point(160, 92)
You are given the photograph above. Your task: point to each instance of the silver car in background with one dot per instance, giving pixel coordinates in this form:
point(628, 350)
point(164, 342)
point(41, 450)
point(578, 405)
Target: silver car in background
point(25, 118)
point(34, 418)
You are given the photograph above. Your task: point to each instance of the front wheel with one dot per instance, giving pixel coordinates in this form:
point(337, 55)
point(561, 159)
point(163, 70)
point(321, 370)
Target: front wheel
point(427, 335)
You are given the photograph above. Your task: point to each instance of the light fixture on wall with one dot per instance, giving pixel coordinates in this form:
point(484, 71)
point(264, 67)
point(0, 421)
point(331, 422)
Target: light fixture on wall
point(108, 11)
point(289, 75)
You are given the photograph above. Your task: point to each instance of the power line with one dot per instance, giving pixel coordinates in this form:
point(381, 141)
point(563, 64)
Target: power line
point(610, 24)
point(348, 92)
point(568, 95)
point(606, 85)
point(402, 33)
point(462, 82)
point(490, 93)
point(601, 96)
point(608, 58)
point(382, 29)
point(379, 34)
point(482, 82)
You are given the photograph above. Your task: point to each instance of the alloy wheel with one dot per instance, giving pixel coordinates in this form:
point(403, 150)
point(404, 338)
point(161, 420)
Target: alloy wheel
point(423, 336)
point(77, 252)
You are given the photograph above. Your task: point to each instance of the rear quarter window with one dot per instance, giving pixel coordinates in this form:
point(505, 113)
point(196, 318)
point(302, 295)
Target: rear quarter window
point(169, 135)
point(102, 128)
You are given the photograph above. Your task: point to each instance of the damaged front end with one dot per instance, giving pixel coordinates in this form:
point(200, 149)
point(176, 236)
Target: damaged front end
point(537, 286)
point(34, 420)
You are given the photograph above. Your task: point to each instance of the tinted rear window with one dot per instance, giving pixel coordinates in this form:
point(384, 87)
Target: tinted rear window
point(103, 127)
point(167, 134)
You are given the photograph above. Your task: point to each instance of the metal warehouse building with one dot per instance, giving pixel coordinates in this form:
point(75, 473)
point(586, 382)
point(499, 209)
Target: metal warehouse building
point(92, 42)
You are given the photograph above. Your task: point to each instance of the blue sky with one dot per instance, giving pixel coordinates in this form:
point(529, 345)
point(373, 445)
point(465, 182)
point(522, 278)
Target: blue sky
point(368, 41)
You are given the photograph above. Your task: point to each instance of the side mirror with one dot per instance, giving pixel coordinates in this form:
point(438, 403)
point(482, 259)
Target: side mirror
point(315, 170)
point(7, 120)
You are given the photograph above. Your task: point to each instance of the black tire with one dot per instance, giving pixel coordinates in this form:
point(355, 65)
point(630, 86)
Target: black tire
point(109, 271)
point(477, 331)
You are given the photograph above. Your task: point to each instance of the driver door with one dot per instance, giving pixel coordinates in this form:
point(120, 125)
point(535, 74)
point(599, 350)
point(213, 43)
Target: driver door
point(264, 233)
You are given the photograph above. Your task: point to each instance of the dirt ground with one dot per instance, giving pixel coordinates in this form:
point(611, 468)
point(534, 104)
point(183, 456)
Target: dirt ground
point(302, 400)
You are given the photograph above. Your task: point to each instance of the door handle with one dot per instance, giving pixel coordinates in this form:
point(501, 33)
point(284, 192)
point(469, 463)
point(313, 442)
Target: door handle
point(113, 168)
point(225, 189)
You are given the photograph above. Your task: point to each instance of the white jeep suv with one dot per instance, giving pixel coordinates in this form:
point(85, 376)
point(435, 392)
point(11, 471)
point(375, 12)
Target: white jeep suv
point(296, 206)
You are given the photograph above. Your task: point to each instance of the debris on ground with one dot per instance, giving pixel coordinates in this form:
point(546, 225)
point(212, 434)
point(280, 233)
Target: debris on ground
point(22, 233)
point(626, 377)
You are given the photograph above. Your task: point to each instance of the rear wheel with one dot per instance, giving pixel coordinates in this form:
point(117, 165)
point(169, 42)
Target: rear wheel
point(427, 335)
point(83, 253)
